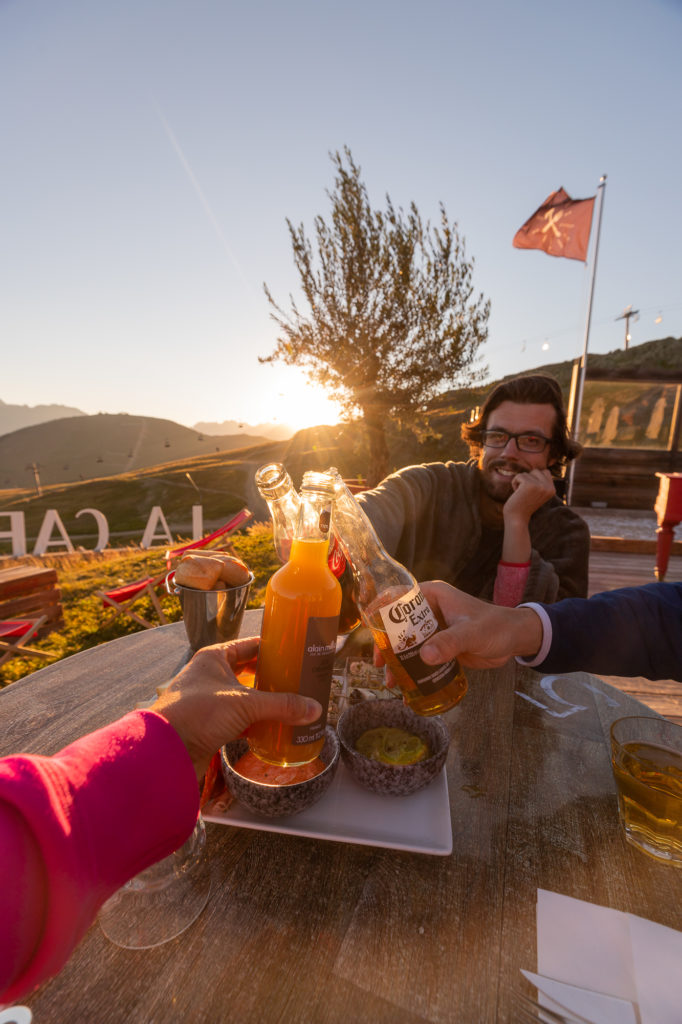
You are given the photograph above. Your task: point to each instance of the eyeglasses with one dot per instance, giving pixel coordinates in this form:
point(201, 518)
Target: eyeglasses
point(524, 442)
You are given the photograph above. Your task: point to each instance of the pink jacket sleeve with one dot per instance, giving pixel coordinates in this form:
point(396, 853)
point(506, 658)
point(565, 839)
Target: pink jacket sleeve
point(510, 583)
point(75, 827)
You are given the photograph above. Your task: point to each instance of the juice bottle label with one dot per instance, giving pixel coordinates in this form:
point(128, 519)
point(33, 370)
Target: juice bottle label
point(316, 673)
point(409, 622)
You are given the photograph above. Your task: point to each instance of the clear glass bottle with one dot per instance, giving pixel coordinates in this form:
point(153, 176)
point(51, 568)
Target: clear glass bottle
point(277, 488)
point(300, 625)
point(394, 608)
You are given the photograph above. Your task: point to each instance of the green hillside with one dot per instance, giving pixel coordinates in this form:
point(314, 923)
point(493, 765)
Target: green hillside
point(84, 447)
point(223, 480)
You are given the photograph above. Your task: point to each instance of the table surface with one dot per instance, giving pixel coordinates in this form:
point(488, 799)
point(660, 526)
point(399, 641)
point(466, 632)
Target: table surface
point(305, 930)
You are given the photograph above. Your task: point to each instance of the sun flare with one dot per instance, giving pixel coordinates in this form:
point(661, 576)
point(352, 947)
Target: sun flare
point(294, 401)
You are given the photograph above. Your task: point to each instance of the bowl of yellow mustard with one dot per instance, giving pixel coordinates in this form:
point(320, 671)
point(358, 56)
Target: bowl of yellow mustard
point(391, 750)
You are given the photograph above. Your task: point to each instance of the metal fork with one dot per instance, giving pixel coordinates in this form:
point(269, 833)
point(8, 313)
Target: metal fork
point(528, 1011)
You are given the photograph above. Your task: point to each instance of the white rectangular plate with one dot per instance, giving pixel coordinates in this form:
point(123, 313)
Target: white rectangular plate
point(347, 813)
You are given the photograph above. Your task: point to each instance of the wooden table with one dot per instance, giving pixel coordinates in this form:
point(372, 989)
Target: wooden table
point(313, 932)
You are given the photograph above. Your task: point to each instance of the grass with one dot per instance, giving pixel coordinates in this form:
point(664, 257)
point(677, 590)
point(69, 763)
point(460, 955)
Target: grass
point(81, 574)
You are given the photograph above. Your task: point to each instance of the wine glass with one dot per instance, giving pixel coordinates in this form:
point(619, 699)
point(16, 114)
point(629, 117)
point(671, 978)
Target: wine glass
point(163, 900)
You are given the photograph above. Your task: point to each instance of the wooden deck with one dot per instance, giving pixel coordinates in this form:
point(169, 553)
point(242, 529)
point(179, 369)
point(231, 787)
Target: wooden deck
point(612, 569)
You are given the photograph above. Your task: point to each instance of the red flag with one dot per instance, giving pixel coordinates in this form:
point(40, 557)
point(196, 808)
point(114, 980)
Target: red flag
point(560, 227)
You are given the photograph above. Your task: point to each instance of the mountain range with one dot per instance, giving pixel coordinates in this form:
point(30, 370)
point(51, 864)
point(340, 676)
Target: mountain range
point(273, 431)
point(15, 417)
point(86, 447)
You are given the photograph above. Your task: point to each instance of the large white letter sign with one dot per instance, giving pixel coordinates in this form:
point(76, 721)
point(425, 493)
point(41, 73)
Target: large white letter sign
point(156, 517)
point(16, 532)
point(102, 526)
point(52, 520)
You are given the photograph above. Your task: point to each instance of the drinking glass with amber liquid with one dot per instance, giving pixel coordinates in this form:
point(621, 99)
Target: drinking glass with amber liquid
point(646, 756)
point(298, 637)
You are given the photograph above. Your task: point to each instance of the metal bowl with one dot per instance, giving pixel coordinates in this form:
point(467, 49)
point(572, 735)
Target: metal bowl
point(211, 616)
point(277, 801)
point(389, 779)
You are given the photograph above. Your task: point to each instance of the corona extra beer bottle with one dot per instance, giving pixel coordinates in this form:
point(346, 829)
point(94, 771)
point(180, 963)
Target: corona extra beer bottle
point(394, 608)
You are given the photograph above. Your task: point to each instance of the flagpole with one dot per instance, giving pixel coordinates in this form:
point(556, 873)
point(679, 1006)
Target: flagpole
point(583, 361)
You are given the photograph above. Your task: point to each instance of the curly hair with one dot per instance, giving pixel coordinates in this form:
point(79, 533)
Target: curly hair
point(535, 389)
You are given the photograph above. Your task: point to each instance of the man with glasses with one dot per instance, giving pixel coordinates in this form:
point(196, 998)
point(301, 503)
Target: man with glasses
point(493, 526)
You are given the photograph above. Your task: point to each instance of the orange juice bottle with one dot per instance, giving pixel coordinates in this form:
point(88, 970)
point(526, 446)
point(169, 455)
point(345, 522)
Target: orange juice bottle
point(277, 488)
point(298, 638)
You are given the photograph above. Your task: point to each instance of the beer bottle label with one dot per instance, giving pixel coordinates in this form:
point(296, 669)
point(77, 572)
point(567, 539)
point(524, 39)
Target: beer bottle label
point(316, 673)
point(409, 622)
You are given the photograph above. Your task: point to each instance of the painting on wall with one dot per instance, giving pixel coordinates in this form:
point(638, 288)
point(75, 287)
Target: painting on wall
point(627, 414)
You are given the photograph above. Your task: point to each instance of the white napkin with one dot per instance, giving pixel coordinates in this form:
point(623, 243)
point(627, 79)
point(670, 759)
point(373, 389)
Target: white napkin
point(601, 963)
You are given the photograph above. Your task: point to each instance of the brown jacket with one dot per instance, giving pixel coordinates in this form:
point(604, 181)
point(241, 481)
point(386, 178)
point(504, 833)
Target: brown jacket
point(428, 518)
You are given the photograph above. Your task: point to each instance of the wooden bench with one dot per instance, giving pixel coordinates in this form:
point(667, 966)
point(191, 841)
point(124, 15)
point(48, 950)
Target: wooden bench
point(28, 591)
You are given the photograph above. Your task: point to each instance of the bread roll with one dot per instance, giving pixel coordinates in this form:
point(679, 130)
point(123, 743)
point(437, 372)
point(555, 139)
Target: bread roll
point(198, 572)
point(211, 570)
point(233, 571)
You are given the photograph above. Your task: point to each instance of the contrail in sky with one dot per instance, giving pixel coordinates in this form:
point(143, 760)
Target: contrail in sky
point(197, 188)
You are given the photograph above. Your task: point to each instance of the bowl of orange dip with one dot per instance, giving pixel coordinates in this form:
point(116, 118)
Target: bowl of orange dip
point(272, 791)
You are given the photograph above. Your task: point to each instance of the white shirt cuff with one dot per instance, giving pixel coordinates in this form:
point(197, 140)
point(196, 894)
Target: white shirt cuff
point(546, 635)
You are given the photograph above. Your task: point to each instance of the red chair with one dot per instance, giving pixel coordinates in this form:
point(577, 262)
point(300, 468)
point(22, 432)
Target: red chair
point(209, 541)
point(122, 598)
point(15, 634)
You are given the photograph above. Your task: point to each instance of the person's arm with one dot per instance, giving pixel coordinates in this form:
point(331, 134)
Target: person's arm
point(634, 631)
point(523, 573)
point(530, 491)
point(560, 555)
point(394, 503)
point(84, 814)
point(510, 583)
point(481, 635)
point(76, 826)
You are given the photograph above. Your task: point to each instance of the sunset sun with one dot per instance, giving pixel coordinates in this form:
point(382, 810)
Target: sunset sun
point(300, 404)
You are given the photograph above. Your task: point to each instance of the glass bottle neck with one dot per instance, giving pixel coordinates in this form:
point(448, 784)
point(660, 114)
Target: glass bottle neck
point(374, 571)
point(313, 519)
point(352, 525)
point(273, 482)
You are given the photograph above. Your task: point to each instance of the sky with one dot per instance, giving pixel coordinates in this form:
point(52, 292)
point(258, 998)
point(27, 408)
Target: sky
point(153, 150)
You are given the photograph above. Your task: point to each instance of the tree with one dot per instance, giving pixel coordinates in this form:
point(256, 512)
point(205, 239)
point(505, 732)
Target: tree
point(391, 320)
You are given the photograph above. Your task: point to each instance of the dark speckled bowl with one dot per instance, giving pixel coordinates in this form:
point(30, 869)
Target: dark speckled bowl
point(388, 779)
point(277, 801)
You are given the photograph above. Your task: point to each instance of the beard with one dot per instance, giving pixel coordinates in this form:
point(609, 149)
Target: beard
point(497, 487)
